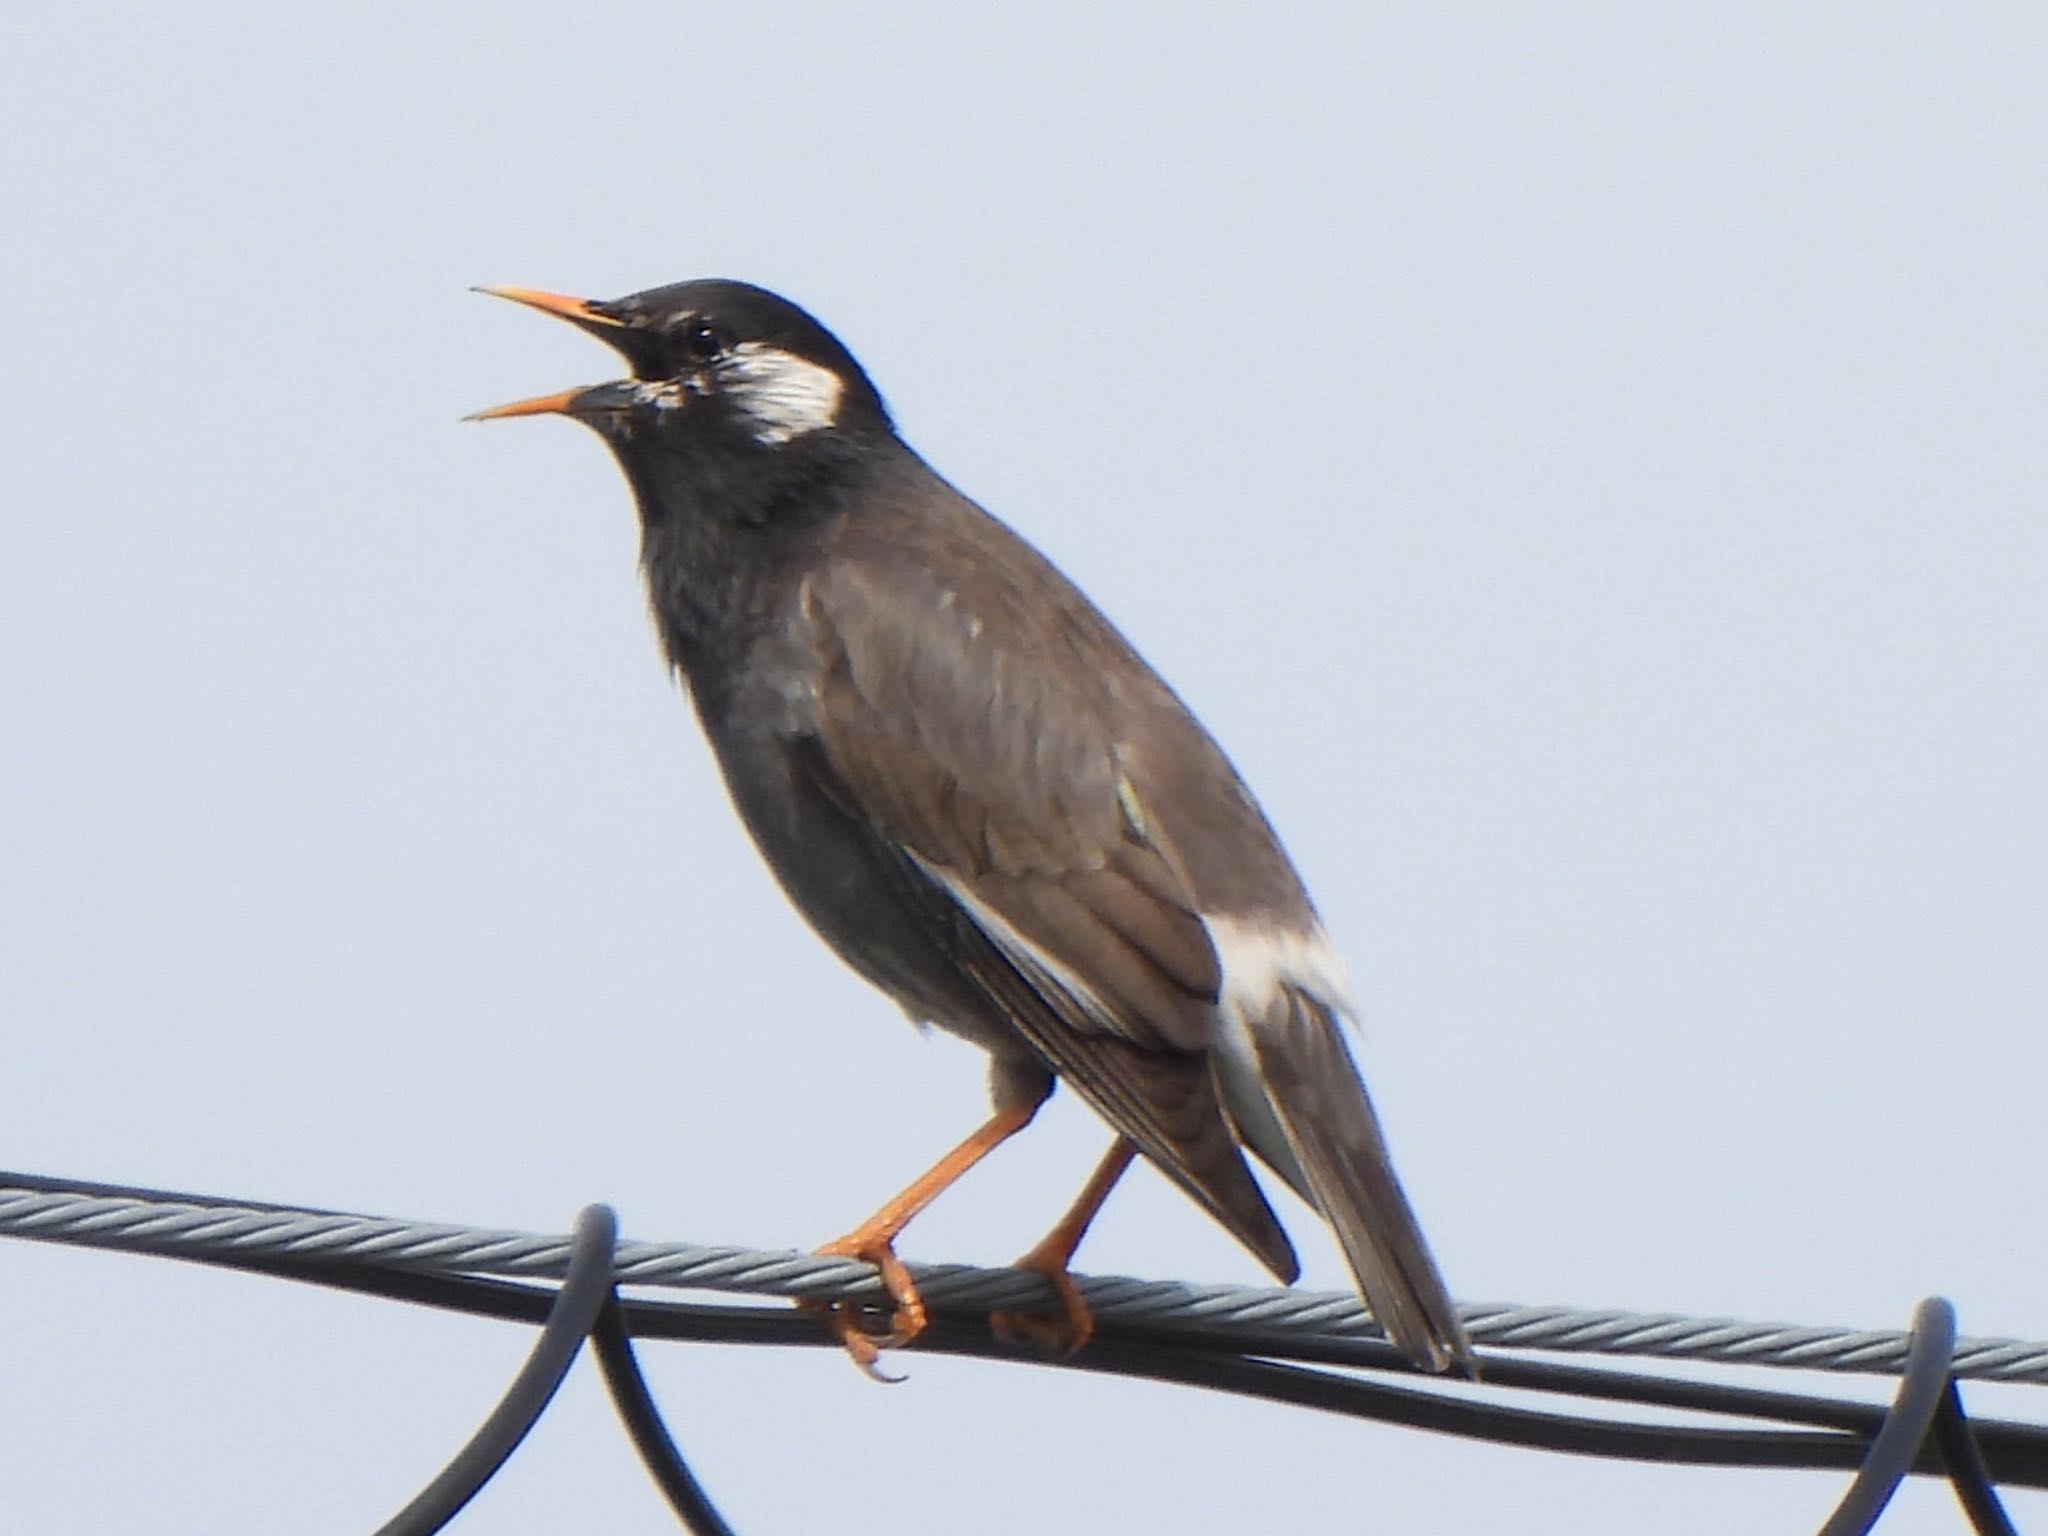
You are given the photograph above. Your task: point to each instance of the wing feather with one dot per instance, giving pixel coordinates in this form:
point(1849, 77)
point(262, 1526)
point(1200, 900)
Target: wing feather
point(998, 787)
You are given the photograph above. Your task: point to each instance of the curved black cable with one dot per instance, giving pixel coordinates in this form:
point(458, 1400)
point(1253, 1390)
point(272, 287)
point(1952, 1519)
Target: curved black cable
point(1898, 1444)
point(658, 1450)
point(2015, 1453)
point(575, 1308)
point(1964, 1459)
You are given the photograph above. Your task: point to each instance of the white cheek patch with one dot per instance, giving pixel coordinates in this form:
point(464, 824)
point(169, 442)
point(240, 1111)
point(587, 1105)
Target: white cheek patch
point(783, 395)
point(663, 394)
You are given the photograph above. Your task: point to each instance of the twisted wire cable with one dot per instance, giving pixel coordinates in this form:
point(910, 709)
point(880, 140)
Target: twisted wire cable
point(203, 1228)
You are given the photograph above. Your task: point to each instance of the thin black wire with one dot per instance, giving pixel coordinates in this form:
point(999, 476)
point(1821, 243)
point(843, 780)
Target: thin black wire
point(575, 1308)
point(2015, 1453)
point(2022, 1448)
point(658, 1450)
point(1967, 1473)
point(512, 1301)
point(1904, 1434)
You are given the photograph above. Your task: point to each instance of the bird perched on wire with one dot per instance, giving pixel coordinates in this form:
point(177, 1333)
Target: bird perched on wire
point(978, 794)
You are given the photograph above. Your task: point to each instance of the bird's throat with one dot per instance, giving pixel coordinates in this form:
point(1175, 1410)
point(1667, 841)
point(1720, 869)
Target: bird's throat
point(721, 556)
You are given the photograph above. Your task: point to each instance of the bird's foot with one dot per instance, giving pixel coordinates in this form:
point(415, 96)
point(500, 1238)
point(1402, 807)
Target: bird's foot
point(1060, 1335)
point(906, 1317)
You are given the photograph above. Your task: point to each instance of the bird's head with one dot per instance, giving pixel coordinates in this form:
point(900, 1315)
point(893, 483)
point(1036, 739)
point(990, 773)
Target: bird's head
point(745, 427)
point(719, 369)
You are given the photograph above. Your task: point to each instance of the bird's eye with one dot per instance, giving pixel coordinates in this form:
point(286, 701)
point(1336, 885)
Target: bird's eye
point(703, 340)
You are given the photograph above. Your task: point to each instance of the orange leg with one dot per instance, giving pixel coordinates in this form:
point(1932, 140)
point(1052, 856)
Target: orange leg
point(874, 1241)
point(1051, 1255)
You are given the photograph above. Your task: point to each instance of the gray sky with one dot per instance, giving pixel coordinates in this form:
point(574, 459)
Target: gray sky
point(1585, 464)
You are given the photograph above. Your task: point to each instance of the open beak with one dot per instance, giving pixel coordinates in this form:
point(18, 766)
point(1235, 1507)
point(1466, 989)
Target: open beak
point(586, 315)
point(584, 312)
point(581, 404)
point(562, 404)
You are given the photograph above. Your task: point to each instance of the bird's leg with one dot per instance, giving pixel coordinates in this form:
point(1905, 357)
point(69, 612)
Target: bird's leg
point(1051, 1255)
point(873, 1241)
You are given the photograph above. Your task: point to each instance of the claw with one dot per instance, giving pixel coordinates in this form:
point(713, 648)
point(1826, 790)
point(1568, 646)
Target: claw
point(843, 1319)
point(907, 1316)
point(1060, 1335)
point(873, 1242)
point(1050, 1258)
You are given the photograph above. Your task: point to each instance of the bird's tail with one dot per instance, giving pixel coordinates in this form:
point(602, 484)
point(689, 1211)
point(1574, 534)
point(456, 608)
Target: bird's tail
point(1320, 1102)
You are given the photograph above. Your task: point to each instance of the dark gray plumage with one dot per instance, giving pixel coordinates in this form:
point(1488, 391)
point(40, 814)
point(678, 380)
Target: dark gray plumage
point(975, 790)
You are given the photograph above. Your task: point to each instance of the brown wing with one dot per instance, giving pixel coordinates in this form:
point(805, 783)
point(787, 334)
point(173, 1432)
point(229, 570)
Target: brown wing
point(983, 749)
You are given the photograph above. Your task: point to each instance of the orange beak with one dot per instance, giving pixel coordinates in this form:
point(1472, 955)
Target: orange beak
point(587, 315)
point(560, 305)
point(584, 405)
point(539, 405)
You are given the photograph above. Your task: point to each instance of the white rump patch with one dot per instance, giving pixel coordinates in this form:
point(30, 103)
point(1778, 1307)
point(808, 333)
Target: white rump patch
point(1259, 961)
point(785, 396)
